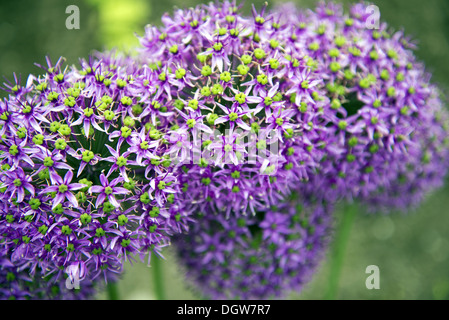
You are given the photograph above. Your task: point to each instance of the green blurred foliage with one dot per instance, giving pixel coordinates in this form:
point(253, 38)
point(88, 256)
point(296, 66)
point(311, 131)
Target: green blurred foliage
point(119, 21)
point(411, 249)
point(31, 30)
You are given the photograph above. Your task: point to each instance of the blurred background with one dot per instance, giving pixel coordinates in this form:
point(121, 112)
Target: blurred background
point(411, 250)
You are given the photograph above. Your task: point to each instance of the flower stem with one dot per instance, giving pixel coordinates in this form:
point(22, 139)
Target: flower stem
point(339, 248)
point(156, 265)
point(112, 291)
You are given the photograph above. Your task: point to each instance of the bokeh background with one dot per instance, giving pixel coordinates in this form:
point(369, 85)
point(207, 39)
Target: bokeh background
point(411, 249)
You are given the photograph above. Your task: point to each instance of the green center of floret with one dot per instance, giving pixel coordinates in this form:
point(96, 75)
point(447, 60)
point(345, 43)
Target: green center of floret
point(233, 116)
point(125, 131)
point(87, 155)
point(191, 123)
point(122, 219)
point(161, 185)
point(144, 145)
point(85, 218)
point(108, 190)
point(225, 76)
point(218, 46)
point(121, 161)
point(180, 73)
point(305, 84)
point(206, 71)
point(268, 101)
point(262, 79)
point(259, 53)
point(13, 150)
point(240, 98)
point(193, 103)
point(48, 162)
point(99, 232)
point(279, 121)
point(228, 148)
point(60, 144)
point(17, 182)
point(88, 112)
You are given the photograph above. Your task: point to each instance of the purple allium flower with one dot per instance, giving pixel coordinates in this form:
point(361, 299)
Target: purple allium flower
point(63, 189)
point(262, 256)
point(230, 88)
point(387, 128)
point(83, 170)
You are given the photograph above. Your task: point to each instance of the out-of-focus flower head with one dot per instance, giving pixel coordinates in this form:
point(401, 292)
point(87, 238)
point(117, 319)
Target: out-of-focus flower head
point(387, 142)
point(262, 256)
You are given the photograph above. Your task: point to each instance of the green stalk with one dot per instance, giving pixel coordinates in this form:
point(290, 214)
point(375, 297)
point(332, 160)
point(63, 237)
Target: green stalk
point(339, 248)
point(112, 291)
point(156, 265)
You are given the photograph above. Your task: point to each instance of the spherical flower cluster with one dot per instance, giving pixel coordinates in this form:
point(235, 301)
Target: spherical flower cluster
point(388, 138)
point(267, 255)
point(84, 177)
point(233, 89)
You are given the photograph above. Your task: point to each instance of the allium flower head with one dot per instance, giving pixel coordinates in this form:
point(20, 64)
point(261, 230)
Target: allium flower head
point(268, 255)
point(387, 130)
point(239, 100)
point(84, 177)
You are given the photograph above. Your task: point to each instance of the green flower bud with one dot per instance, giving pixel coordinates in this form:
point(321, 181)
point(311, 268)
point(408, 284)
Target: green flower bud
point(85, 218)
point(259, 53)
point(246, 59)
point(65, 130)
point(180, 73)
point(122, 219)
point(225, 76)
point(66, 230)
point(206, 71)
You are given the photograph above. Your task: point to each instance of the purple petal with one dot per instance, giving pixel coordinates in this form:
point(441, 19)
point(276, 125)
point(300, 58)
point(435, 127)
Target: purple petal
point(221, 120)
point(58, 199)
point(96, 126)
point(68, 177)
point(50, 189)
point(119, 190)
point(112, 151)
point(112, 200)
point(62, 165)
point(29, 187)
point(86, 127)
point(100, 199)
point(76, 186)
point(242, 124)
point(20, 195)
point(72, 199)
point(96, 189)
point(104, 181)
point(81, 168)
point(124, 175)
